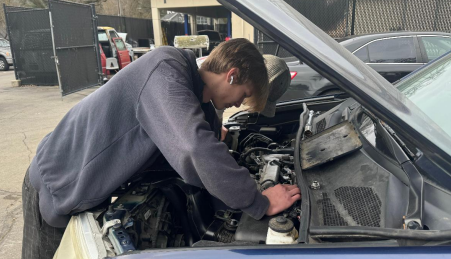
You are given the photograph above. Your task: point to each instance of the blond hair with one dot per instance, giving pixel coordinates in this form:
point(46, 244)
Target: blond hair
point(243, 55)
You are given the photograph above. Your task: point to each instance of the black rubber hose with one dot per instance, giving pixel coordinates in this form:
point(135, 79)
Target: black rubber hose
point(245, 154)
point(391, 233)
point(267, 150)
point(305, 203)
point(179, 206)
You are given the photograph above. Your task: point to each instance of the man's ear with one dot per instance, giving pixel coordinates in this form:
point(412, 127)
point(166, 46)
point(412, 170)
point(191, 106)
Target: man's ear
point(232, 75)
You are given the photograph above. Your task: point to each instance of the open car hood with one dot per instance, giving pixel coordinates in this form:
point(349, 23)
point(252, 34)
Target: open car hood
point(318, 50)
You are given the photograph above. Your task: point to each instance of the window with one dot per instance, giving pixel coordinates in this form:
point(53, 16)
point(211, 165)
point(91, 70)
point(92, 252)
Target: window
point(203, 20)
point(398, 50)
point(113, 34)
point(436, 46)
point(430, 90)
point(102, 36)
point(4, 43)
point(362, 54)
point(212, 35)
point(120, 44)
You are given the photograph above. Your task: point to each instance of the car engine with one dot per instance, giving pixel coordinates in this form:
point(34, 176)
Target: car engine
point(345, 169)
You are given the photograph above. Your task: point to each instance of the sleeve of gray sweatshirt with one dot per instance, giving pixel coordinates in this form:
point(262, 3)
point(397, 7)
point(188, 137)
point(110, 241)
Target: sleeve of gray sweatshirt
point(171, 115)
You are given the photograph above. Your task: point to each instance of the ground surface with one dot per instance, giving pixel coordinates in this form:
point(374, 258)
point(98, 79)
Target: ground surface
point(27, 114)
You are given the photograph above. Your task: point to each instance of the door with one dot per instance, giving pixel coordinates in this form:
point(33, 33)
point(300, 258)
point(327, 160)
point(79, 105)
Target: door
point(123, 57)
point(76, 50)
point(393, 58)
point(103, 60)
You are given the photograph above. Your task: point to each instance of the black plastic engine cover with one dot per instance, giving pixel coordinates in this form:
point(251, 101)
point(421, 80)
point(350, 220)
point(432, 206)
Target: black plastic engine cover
point(252, 230)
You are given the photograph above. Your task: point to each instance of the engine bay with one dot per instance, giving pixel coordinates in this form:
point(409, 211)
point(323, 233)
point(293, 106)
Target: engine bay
point(347, 164)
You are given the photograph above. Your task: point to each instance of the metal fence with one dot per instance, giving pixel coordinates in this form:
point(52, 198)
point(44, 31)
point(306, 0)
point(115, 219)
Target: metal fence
point(138, 30)
point(31, 45)
point(341, 18)
point(74, 30)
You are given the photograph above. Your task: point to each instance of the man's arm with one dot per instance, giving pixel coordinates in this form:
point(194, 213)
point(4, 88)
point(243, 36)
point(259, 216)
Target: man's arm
point(170, 114)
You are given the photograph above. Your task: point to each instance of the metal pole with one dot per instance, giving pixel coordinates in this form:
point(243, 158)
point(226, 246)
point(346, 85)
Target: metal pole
point(54, 50)
point(96, 42)
point(229, 24)
point(437, 5)
point(347, 18)
point(353, 16)
point(186, 24)
point(10, 42)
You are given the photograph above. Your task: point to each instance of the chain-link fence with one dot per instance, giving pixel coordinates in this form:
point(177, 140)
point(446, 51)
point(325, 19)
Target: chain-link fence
point(341, 18)
point(31, 45)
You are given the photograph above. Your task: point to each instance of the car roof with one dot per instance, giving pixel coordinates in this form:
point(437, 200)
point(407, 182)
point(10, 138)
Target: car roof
point(355, 41)
point(208, 31)
point(105, 28)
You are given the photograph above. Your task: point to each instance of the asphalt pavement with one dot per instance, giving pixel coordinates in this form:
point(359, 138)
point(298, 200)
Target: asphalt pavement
point(27, 114)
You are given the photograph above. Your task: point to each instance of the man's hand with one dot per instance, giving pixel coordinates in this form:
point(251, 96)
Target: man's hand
point(224, 131)
point(281, 197)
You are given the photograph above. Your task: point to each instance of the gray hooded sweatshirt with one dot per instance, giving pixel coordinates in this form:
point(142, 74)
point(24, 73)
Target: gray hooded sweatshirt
point(153, 105)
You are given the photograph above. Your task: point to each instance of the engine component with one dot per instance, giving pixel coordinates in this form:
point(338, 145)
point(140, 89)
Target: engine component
point(252, 230)
point(223, 228)
point(330, 144)
point(270, 175)
point(281, 231)
point(120, 239)
point(315, 185)
point(308, 127)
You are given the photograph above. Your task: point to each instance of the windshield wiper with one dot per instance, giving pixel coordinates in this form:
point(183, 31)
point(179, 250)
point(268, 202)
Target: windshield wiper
point(401, 143)
point(414, 217)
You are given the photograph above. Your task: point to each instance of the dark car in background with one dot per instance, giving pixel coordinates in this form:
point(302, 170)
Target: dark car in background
point(393, 55)
point(214, 38)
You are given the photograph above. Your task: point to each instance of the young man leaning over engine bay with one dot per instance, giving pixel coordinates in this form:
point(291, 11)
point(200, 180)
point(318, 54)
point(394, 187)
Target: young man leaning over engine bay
point(159, 103)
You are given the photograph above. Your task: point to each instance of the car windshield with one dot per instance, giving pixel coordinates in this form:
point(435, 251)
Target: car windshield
point(102, 35)
point(4, 43)
point(430, 90)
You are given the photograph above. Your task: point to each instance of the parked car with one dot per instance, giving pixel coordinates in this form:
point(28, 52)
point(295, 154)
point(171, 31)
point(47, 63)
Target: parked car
point(392, 54)
point(6, 58)
point(114, 48)
point(374, 171)
point(214, 39)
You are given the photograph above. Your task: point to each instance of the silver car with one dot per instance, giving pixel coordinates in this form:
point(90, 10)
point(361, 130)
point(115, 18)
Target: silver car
point(6, 58)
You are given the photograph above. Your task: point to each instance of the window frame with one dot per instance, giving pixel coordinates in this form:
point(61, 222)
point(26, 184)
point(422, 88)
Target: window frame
point(111, 32)
point(367, 53)
point(115, 40)
point(423, 48)
point(418, 53)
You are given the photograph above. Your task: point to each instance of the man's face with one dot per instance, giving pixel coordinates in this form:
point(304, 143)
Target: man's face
point(228, 95)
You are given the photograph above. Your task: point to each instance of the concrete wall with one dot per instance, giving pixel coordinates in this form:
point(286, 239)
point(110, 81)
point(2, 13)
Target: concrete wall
point(240, 28)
